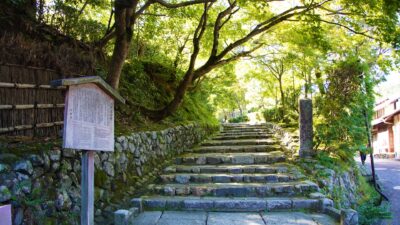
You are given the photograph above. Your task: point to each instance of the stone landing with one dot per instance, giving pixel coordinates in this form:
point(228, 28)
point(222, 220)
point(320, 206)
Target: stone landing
point(226, 218)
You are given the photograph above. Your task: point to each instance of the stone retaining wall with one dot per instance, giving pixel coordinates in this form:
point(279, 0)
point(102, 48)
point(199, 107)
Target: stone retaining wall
point(289, 140)
point(44, 184)
point(341, 186)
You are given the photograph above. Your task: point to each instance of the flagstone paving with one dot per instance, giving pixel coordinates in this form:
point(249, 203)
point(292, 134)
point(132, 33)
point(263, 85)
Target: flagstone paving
point(231, 218)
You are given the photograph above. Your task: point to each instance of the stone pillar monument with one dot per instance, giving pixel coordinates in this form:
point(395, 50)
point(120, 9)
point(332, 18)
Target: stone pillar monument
point(306, 128)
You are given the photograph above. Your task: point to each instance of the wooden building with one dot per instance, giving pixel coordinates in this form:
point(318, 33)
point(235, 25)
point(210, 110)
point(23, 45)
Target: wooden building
point(386, 128)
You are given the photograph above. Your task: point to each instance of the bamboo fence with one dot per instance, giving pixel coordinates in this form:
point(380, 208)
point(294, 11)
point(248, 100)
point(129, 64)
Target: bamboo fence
point(29, 106)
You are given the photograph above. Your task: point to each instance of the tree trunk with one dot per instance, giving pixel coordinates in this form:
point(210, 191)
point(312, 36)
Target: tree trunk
point(181, 90)
point(175, 103)
point(281, 91)
point(306, 90)
point(320, 83)
point(41, 10)
point(124, 32)
point(240, 110)
point(29, 7)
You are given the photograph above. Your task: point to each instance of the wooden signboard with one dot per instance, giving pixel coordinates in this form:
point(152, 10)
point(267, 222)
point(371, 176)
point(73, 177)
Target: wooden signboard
point(88, 126)
point(88, 119)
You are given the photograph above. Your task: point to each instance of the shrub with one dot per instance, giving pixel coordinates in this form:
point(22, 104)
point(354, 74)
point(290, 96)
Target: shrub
point(273, 115)
point(239, 119)
point(370, 213)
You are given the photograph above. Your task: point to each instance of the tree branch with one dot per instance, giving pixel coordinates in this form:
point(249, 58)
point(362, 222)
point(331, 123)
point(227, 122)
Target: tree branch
point(179, 52)
point(207, 67)
point(109, 21)
point(182, 4)
point(219, 24)
point(363, 33)
point(349, 29)
point(197, 84)
point(154, 14)
point(111, 33)
point(144, 7)
point(188, 77)
point(266, 25)
point(198, 34)
point(216, 60)
point(335, 12)
point(81, 10)
point(107, 37)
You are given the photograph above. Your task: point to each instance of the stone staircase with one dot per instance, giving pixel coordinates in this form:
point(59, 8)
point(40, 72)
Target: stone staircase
point(242, 169)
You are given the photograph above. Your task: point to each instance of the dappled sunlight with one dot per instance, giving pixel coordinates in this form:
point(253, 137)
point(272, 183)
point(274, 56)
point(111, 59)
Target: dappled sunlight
point(226, 112)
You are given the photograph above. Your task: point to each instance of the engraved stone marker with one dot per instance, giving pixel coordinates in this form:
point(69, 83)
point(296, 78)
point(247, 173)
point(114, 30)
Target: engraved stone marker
point(306, 128)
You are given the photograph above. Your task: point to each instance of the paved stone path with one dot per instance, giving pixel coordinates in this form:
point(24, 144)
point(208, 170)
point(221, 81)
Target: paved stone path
point(388, 171)
point(242, 169)
point(241, 161)
point(226, 218)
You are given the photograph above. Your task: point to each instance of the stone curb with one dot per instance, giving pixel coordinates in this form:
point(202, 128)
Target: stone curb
point(345, 216)
point(231, 205)
point(322, 205)
point(125, 217)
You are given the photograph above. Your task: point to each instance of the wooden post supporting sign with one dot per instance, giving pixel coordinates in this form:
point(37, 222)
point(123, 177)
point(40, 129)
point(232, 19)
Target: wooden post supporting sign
point(88, 126)
point(87, 184)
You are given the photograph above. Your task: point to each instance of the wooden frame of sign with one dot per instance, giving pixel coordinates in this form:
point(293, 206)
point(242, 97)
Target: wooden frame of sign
point(88, 126)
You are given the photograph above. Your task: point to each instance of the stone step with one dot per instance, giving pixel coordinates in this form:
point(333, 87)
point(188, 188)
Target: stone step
point(245, 133)
point(237, 148)
point(261, 126)
point(242, 124)
point(202, 217)
point(241, 142)
point(185, 178)
point(242, 136)
point(297, 188)
point(249, 129)
point(233, 169)
point(231, 158)
point(248, 204)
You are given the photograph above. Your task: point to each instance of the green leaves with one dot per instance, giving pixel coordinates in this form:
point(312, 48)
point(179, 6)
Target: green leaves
point(371, 213)
point(340, 124)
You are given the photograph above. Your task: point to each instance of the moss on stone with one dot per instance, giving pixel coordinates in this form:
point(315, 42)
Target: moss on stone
point(23, 146)
point(100, 179)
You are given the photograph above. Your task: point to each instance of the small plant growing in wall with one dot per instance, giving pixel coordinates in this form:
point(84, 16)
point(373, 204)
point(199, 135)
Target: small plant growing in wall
point(370, 213)
point(27, 200)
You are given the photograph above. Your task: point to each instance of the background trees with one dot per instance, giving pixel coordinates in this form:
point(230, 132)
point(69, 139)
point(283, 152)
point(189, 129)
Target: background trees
point(183, 60)
point(193, 38)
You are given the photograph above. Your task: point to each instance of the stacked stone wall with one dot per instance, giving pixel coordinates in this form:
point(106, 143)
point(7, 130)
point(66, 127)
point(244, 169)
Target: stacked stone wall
point(340, 185)
point(44, 184)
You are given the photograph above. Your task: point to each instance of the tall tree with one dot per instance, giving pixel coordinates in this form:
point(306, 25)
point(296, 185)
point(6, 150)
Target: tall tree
point(218, 56)
point(314, 12)
point(277, 69)
point(224, 30)
point(126, 14)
